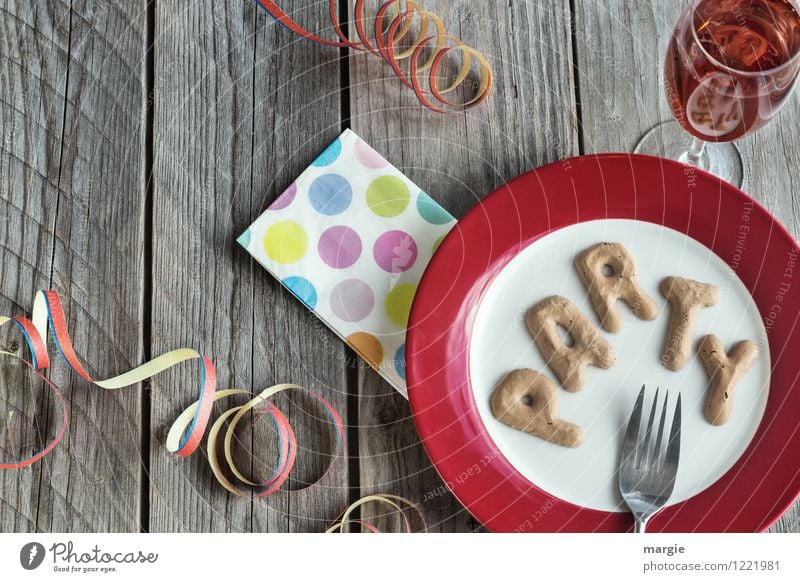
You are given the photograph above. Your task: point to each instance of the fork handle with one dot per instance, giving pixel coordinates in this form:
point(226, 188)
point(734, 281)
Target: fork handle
point(640, 522)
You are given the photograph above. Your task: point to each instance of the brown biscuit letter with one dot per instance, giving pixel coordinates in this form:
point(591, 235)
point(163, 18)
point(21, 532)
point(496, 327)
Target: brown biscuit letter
point(686, 297)
point(526, 400)
point(568, 362)
point(724, 372)
point(609, 273)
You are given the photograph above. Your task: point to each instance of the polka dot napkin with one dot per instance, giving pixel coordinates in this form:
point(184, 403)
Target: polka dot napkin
point(351, 238)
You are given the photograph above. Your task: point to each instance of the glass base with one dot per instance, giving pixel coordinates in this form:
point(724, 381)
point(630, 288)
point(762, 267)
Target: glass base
point(670, 140)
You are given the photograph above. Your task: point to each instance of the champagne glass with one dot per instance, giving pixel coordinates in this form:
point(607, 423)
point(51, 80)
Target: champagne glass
point(730, 67)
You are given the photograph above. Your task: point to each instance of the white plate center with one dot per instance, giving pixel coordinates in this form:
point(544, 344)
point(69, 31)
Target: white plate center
point(587, 476)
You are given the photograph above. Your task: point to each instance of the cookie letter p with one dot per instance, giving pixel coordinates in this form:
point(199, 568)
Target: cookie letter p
point(526, 400)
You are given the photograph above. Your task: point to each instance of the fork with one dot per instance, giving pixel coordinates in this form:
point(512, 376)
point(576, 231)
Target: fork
point(647, 474)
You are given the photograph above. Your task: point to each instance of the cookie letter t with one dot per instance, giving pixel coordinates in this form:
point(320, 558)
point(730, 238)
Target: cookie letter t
point(686, 297)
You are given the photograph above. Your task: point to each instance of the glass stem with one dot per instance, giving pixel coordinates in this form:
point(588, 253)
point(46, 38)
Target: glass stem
point(694, 156)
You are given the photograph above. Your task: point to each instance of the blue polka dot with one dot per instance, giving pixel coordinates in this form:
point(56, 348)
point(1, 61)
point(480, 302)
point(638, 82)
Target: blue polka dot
point(244, 238)
point(329, 156)
point(431, 211)
point(330, 194)
point(400, 361)
point(303, 290)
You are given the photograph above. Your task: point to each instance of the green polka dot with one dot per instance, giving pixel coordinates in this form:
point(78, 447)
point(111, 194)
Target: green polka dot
point(388, 196)
point(398, 304)
point(438, 243)
point(285, 242)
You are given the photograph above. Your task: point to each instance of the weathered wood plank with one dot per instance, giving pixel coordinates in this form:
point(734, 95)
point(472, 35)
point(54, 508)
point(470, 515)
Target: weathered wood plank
point(203, 105)
point(33, 65)
point(297, 114)
point(241, 108)
point(92, 481)
point(620, 68)
point(459, 159)
point(63, 137)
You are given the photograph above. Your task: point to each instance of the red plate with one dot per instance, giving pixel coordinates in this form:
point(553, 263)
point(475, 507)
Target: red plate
point(765, 480)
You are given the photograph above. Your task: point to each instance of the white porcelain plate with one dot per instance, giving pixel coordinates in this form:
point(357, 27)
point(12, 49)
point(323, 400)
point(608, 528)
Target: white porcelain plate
point(586, 476)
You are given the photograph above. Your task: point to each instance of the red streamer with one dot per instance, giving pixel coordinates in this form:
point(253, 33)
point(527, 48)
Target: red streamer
point(385, 43)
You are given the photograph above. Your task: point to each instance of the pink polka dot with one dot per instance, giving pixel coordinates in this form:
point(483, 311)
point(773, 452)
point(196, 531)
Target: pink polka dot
point(395, 251)
point(352, 300)
point(286, 198)
point(339, 247)
point(368, 156)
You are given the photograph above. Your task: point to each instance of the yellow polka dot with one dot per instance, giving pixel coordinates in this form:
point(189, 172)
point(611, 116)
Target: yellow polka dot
point(387, 196)
point(285, 242)
point(398, 303)
point(368, 347)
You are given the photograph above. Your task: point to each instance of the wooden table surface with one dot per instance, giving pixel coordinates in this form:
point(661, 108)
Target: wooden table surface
point(139, 139)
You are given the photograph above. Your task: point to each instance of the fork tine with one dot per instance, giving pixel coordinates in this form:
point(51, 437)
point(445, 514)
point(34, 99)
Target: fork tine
point(644, 448)
point(657, 456)
point(629, 445)
point(674, 445)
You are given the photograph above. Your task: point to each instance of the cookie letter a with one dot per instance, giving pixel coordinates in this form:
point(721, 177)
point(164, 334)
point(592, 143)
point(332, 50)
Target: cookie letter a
point(724, 372)
point(568, 362)
point(609, 273)
point(526, 400)
point(686, 297)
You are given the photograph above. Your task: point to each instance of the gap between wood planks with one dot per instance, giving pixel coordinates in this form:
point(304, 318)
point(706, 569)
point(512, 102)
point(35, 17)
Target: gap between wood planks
point(147, 267)
point(351, 365)
point(576, 85)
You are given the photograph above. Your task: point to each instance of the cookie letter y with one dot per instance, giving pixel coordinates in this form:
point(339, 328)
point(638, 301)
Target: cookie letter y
point(724, 372)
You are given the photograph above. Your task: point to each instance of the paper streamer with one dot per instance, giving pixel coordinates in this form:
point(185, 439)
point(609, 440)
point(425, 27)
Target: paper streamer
point(287, 442)
point(187, 431)
point(395, 502)
point(385, 42)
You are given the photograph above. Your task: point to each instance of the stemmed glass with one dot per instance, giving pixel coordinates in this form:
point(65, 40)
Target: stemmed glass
point(730, 67)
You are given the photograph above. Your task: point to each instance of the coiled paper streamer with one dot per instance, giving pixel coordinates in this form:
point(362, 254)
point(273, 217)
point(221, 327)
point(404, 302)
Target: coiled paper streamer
point(395, 502)
point(287, 442)
point(187, 431)
point(385, 42)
